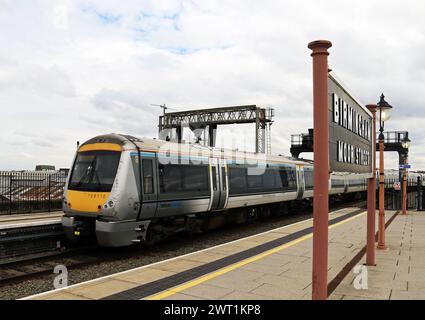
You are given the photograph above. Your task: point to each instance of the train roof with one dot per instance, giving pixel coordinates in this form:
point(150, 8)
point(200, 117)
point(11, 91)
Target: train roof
point(155, 145)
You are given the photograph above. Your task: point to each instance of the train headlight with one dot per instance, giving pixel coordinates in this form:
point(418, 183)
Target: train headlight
point(111, 203)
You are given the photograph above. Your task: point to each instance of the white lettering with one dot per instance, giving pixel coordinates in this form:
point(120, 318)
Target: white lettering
point(335, 100)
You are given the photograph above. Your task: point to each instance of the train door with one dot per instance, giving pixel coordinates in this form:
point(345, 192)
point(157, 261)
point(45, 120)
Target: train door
point(300, 182)
point(149, 184)
point(223, 185)
point(214, 184)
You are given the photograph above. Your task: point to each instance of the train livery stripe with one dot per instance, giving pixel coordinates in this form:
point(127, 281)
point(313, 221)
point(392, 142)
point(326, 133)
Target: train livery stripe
point(193, 158)
point(100, 146)
point(173, 153)
point(168, 286)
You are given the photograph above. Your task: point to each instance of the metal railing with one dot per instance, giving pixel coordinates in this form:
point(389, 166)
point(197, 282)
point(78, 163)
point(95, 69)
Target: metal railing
point(31, 191)
point(393, 136)
point(301, 139)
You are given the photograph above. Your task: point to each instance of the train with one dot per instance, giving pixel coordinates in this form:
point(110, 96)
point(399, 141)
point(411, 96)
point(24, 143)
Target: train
point(126, 190)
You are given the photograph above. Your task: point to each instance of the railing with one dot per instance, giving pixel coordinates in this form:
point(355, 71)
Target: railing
point(25, 192)
point(301, 139)
point(393, 136)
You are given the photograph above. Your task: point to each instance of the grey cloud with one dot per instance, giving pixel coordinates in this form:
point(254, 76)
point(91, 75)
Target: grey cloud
point(42, 143)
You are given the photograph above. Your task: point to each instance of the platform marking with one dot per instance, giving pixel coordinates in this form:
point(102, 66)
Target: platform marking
point(242, 263)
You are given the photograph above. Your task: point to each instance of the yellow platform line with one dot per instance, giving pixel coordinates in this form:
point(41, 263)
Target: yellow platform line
point(237, 265)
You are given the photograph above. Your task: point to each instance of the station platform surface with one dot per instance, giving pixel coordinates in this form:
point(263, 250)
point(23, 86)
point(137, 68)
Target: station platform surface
point(400, 268)
point(274, 265)
point(8, 221)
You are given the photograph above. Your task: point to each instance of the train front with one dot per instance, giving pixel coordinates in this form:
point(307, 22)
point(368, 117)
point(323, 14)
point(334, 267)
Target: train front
point(94, 191)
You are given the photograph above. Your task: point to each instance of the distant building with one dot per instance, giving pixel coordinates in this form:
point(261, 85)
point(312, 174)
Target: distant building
point(64, 171)
point(44, 167)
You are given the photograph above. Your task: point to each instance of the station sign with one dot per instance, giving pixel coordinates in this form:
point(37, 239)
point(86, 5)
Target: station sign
point(405, 166)
point(350, 131)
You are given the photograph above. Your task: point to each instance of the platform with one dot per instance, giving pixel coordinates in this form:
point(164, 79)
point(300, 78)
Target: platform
point(272, 265)
point(29, 219)
point(399, 273)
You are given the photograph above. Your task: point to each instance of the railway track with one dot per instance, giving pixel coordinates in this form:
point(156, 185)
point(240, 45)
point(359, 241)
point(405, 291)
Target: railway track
point(78, 258)
point(29, 242)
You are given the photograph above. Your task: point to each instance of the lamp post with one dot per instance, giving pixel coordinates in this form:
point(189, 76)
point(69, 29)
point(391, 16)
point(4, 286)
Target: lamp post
point(383, 114)
point(405, 144)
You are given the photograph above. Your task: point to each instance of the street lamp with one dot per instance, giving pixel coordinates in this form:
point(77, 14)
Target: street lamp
point(383, 115)
point(406, 142)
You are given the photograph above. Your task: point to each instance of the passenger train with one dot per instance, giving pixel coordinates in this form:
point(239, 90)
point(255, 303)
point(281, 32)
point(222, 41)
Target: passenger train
point(127, 190)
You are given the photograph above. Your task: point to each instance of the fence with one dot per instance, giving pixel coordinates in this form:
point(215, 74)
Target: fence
point(393, 199)
point(25, 192)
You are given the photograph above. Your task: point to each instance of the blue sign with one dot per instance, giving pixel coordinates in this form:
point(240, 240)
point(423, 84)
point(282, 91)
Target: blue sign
point(405, 166)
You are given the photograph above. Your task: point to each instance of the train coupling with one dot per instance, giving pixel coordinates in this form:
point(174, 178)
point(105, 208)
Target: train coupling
point(77, 230)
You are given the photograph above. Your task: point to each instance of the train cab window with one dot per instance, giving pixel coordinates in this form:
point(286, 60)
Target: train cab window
point(147, 166)
point(94, 171)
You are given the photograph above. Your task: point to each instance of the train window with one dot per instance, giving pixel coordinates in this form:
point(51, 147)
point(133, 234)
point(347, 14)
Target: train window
point(183, 178)
point(237, 180)
point(337, 183)
point(147, 166)
point(195, 178)
point(308, 178)
point(269, 180)
point(283, 177)
point(356, 182)
point(170, 178)
point(223, 177)
point(255, 181)
point(288, 178)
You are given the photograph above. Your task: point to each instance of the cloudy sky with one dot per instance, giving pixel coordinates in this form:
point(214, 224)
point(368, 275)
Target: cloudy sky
point(70, 70)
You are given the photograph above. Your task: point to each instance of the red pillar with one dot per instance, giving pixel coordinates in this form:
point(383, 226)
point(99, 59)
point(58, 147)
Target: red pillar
point(371, 196)
point(321, 168)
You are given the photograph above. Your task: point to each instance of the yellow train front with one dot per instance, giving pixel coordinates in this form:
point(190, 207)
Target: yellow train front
point(94, 191)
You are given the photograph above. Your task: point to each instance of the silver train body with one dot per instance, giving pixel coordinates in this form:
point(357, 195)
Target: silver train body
point(123, 188)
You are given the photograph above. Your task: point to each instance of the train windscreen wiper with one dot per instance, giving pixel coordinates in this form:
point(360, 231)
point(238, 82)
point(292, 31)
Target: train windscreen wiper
point(87, 173)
